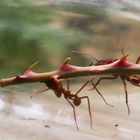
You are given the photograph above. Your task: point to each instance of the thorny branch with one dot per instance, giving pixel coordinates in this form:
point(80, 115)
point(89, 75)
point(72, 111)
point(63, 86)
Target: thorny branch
point(118, 67)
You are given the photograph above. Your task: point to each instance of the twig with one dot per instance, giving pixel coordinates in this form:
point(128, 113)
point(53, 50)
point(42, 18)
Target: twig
point(119, 67)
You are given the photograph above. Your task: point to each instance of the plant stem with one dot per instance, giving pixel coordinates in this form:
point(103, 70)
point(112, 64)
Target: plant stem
point(71, 71)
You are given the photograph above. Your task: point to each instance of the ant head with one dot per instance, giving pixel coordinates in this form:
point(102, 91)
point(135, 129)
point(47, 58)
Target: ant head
point(58, 94)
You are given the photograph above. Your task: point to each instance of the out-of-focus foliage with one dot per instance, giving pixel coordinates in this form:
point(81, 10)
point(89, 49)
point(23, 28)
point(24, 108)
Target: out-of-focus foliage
point(20, 29)
point(24, 31)
point(89, 15)
point(31, 31)
point(26, 35)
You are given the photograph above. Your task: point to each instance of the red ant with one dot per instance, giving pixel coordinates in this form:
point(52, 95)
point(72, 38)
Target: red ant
point(135, 80)
point(90, 81)
point(56, 85)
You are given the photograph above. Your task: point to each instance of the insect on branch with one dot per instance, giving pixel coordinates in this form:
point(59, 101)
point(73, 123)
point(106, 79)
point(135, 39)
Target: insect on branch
point(119, 67)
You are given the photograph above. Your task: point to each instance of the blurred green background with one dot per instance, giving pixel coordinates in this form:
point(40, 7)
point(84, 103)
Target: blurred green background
point(47, 31)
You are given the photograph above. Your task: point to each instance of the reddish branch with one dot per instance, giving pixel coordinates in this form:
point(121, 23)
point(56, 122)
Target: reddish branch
point(118, 67)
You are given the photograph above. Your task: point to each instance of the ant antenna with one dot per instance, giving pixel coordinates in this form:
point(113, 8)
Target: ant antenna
point(120, 46)
point(90, 55)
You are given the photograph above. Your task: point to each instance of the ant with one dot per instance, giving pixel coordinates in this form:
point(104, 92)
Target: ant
point(133, 79)
point(90, 81)
point(56, 85)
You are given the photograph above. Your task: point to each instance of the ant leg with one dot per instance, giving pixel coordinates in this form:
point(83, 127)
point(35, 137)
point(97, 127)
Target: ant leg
point(120, 46)
point(74, 113)
point(104, 78)
point(122, 52)
point(138, 60)
point(87, 101)
point(100, 94)
point(126, 94)
point(38, 92)
point(89, 108)
point(82, 87)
